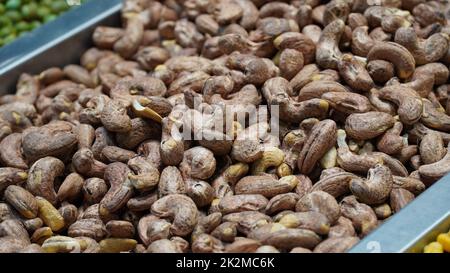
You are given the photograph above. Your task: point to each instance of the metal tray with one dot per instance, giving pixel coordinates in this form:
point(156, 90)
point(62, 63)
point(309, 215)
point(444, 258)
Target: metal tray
point(62, 42)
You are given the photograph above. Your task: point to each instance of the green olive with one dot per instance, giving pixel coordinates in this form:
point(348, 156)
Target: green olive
point(43, 11)
point(22, 26)
point(5, 21)
point(14, 15)
point(13, 4)
point(35, 24)
point(58, 6)
point(5, 31)
point(46, 2)
point(29, 11)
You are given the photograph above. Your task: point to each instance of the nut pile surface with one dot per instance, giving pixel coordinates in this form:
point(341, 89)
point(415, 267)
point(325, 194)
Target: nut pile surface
point(90, 161)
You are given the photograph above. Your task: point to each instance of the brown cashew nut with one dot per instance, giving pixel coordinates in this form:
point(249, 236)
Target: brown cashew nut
point(200, 192)
point(172, 146)
point(180, 209)
point(198, 163)
point(336, 184)
point(277, 90)
point(424, 51)
point(114, 116)
point(22, 200)
point(299, 42)
point(265, 185)
point(85, 163)
point(151, 228)
point(432, 148)
point(362, 216)
point(321, 138)
point(321, 202)
point(146, 176)
point(322, 85)
point(336, 245)
point(410, 105)
point(354, 73)
point(391, 142)
point(376, 188)
point(396, 54)
point(171, 182)
point(352, 162)
point(120, 191)
point(11, 151)
point(436, 170)
point(129, 42)
point(380, 71)
point(311, 220)
point(368, 125)
point(242, 202)
point(328, 53)
point(42, 175)
point(348, 102)
point(53, 139)
point(434, 118)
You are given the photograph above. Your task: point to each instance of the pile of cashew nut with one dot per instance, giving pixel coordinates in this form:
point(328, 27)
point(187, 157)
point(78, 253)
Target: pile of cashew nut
point(90, 161)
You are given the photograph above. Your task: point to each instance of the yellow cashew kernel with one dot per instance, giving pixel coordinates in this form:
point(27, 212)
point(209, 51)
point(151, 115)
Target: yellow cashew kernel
point(444, 240)
point(433, 247)
point(284, 170)
point(49, 214)
point(117, 245)
point(272, 157)
point(329, 160)
point(289, 221)
point(145, 112)
point(61, 244)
